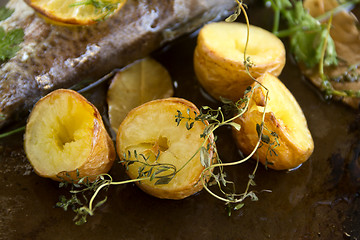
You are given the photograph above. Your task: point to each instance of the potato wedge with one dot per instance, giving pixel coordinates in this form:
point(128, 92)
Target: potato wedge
point(65, 133)
point(143, 81)
point(219, 57)
point(284, 117)
point(151, 129)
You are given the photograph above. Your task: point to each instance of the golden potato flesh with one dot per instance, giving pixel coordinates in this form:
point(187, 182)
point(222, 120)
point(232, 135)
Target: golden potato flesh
point(65, 133)
point(151, 129)
point(219, 57)
point(284, 117)
point(141, 82)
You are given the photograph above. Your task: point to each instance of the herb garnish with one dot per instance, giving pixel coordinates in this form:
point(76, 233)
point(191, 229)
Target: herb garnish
point(5, 13)
point(305, 32)
point(310, 40)
point(9, 40)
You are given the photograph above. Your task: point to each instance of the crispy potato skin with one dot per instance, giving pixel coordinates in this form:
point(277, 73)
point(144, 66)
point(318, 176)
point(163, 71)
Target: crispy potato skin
point(188, 181)
point(102, 152)
point(291, 152)
point(219, 58)
point(52, 18)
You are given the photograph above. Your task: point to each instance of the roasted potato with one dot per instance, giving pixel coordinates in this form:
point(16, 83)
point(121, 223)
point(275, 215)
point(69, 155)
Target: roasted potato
point(284, 117)
point(151, 130)
point(65, 133)
point(143, 81)
point(219, 57)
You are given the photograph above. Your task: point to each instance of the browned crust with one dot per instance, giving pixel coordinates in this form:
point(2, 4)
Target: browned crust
point(65, 21)
point(102, 154)
point(188, 190)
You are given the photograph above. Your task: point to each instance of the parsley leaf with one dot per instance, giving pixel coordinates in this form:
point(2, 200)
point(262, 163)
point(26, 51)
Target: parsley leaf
point(9, 42)
point(5, 13)
point(307, 34)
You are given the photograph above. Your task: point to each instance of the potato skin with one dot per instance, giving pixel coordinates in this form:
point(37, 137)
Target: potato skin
point(189, 185)
point(102, 153)
point(223, 74)
point(291, 152)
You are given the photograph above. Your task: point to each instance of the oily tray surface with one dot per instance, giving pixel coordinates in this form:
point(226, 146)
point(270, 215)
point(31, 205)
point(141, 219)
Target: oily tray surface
point(319, 200)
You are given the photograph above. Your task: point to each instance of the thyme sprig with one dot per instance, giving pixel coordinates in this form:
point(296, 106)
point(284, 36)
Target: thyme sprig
point(83, 188)
point(163, 173)
point(216, 118)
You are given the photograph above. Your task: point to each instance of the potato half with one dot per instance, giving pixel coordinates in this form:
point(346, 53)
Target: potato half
point(151, 129)
point(65, 133)
point(141, 82)
point(219, 57)
point(284, 117)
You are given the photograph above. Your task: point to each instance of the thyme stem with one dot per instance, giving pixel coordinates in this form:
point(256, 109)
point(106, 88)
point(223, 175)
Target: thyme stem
point(112, 183)
point(6, 134)
point(221, 165)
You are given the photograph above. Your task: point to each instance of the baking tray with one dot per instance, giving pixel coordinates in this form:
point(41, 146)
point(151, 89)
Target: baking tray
point(319, 200)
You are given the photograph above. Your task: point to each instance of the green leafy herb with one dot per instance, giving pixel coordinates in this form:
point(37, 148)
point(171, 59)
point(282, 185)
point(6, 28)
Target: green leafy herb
point(10, 40)
point(106, 8)
point(307, 34)
point(310, 40)
point(5, 13)
point(161, 173)
point(9, 43)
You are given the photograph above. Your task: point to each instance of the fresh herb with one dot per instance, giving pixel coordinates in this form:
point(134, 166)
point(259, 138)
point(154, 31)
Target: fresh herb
point(88, 187)
point(305, 32)
point(5, 13)
point(216, 118)
point(162, 173)
point(9, 43)
point(105, 8)
point(9, 133)
point(9, 40)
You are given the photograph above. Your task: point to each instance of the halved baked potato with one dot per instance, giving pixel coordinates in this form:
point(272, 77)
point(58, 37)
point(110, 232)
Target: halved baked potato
point(284, 117)
point(151, 131)
point(219, 57)
point(65, 138)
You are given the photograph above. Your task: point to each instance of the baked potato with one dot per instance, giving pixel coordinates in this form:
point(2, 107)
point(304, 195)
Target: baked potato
point(151, 131)
point(143, 81)
point(65, 138)
point(284, 120)
point(219, 57)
